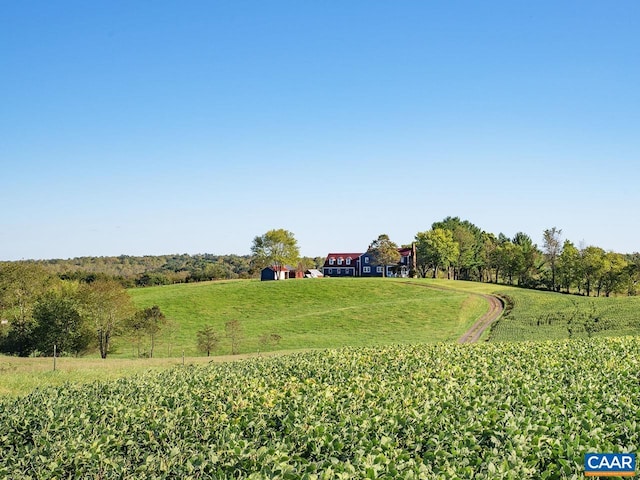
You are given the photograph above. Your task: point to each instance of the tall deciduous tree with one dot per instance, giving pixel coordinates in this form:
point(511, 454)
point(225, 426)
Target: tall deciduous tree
point(592, 266)
point(59, 323)
point(486, 256)
point(208, 339)
point(21, 283)
point(529, 257)
point(614, 273)
point(107, 307)
point(437, 249)
point(147, 322)
point(233, 329)
point(552, 248)
point(499, 259)
point(633, 273)
point(276, 248)
point(384, 252)
point(468, 237)
point(568, 267)
point(155, 321)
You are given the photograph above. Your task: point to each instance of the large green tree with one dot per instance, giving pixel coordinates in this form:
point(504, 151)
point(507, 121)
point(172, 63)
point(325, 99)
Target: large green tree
point(107, 307)
point(614, 275)
point(529, 259)
point(498, 254)
point(469, 239)
point(592, 267)
point(436, 249)
point(276, 248)
point(486, 256)
point(59, 324)
point(149, 322)
point(568, 267)
point(384, 252)
point(21, 283)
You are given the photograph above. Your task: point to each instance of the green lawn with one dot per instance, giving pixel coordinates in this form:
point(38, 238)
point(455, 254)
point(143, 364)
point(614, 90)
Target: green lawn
point(311, 313)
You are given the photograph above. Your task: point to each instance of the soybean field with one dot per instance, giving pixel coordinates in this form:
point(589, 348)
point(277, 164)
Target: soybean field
point(533, 315)
point(485, 411)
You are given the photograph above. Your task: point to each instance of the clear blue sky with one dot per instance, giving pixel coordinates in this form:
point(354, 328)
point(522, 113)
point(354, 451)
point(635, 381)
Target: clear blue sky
point(156, 127)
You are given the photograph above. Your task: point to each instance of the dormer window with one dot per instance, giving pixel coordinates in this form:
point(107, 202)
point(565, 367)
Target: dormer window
point(331, 261)
point(348, 260)
point(340, 261)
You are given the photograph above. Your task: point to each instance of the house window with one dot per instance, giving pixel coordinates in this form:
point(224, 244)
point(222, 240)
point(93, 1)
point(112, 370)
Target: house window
point(348, 260)
point(366, 259)
point(331, 261)
point(340, 261)
point(339, 271)
point(366, 269)
point(379, 269)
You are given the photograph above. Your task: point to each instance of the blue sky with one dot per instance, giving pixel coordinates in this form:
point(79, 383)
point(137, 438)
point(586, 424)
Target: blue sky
point(156, 127)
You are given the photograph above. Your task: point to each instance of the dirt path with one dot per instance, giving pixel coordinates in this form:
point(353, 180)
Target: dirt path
point(496, 307)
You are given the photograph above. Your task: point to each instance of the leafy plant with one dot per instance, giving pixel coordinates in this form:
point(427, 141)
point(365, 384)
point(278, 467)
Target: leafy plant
point(485, 411)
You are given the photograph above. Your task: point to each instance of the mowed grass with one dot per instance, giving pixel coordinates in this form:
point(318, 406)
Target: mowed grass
point(309, 313)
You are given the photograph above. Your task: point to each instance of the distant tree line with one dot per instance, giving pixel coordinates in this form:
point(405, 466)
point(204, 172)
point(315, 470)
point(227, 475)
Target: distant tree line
point(153, 270)
point(458, 249)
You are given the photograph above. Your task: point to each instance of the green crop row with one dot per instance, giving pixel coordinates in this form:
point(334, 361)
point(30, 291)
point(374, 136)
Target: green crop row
point(487, 411)
point(534, 315)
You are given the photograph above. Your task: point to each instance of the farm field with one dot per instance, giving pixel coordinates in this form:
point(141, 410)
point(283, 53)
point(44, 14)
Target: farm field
point(317, 313)
point(19, 376)
point(541, 315)
point(545, 315)
point(506, 410)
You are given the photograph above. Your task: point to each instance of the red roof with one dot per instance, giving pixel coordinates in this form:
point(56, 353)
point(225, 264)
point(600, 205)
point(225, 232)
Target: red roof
point(343, 256)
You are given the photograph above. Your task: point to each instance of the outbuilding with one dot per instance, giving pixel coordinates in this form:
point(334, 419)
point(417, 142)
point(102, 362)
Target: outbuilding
point(274, 273)
point(313, 273)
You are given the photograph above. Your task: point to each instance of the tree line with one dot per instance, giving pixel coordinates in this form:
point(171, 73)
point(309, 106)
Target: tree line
point(39, 310)
point(458, 249)
point(153, 270)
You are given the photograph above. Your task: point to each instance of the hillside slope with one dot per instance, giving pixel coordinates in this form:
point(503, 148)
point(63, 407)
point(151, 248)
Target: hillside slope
point(311, 313)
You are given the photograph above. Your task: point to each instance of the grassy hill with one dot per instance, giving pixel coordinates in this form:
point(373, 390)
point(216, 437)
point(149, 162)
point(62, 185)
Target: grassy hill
point(331, 313)
point(318, 313)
